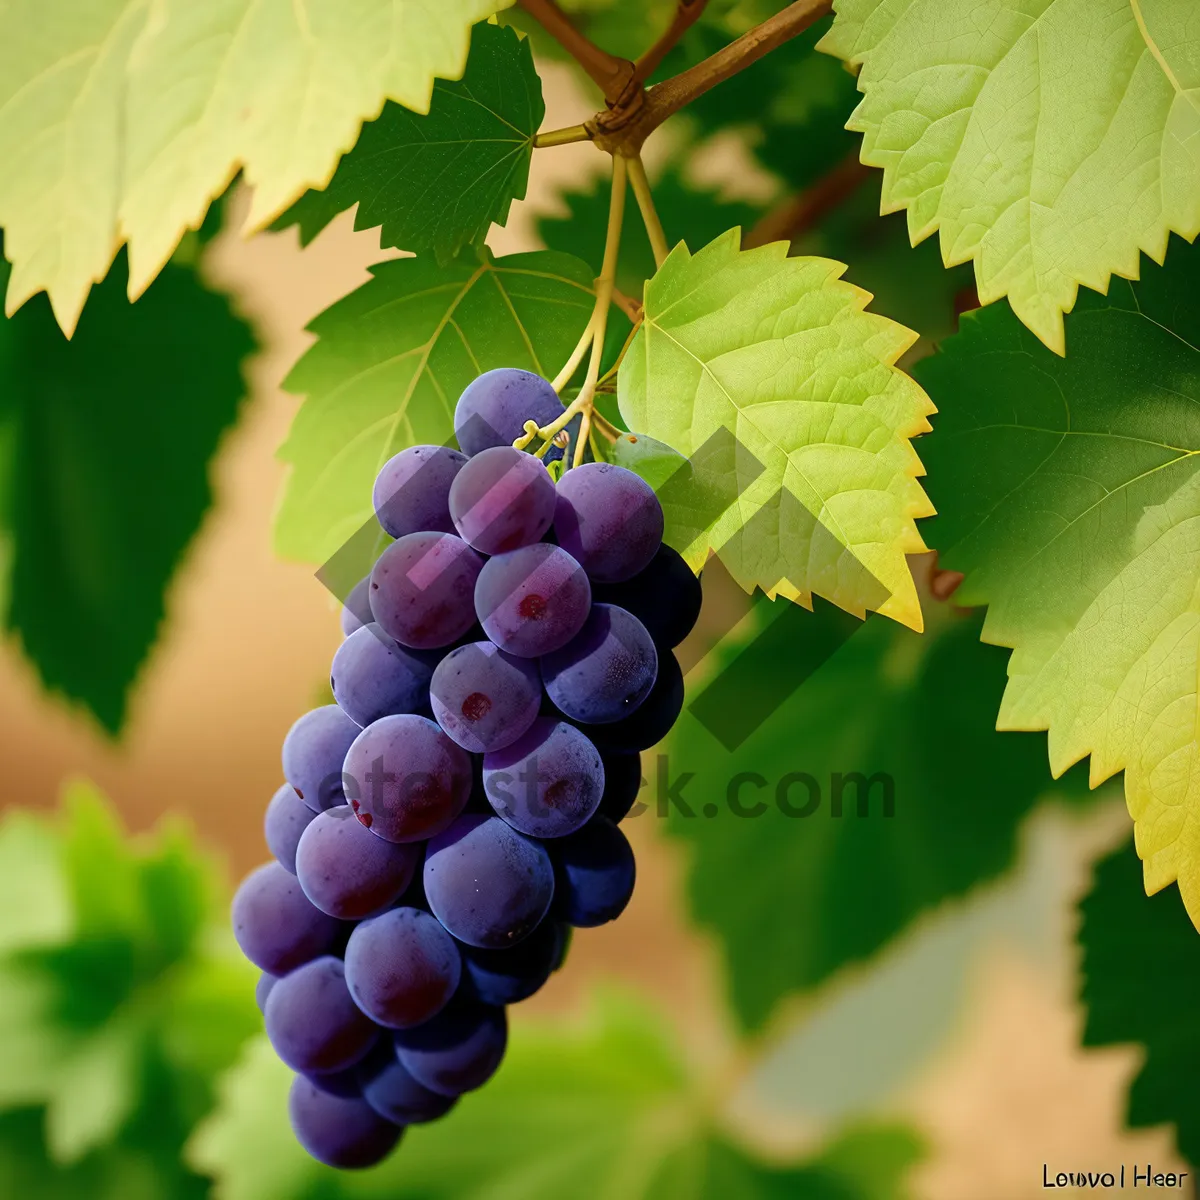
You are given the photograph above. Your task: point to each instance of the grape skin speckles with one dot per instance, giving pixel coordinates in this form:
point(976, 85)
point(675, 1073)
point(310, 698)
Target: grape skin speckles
point(405, 779)
point(533, 600)
point(423, 589)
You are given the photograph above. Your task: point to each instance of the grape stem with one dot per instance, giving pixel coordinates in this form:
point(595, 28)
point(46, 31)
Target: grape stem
point(621, 356)
point(562, 137)
point(593, 334)
point(612, 75)
point(687, 13)
point(645, 203)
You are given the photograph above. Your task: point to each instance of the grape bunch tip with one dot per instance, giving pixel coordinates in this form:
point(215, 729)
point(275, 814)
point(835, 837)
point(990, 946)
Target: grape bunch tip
point(447, 822)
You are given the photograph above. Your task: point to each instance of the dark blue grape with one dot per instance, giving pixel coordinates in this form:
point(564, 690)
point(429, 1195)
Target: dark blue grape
point(313, 752)
point(374, 676)
point(286, 819)
point(402, 967)
point(548, 782)
point(356, 612)
point(622, 782)
point(458, 1051)
point(493, 409)
point(666, 597)
point(340, 1083)
point(262, 989)
point(503, 499)
point(337, 1131)
point(411, 493)
point(348, 872)
point(313, 1023)
point(488, 884)
point(405, 779)
point(565, 934)
point(423, 589)
point(276, 926)
point(533, 600)
point(483, 698)
point(605, 671)
point(609, 520)
point(508, 976)
point(653, 719)
point(594, 874)
point(394, 1094)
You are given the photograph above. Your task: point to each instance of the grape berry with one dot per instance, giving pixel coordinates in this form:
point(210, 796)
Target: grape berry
point(428, 872)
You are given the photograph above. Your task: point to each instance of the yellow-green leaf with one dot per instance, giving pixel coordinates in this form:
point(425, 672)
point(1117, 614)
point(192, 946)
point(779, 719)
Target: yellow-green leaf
point(780, 354)
point(1069, 493)
point(1048, 140)
point(121, 119)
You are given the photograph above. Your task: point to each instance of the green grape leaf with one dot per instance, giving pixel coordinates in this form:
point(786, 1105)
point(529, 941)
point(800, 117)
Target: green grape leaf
point(390, 362)
point(690, 214)
point(115, 1016)
point(104, 469)
point(437, 182)
point(1138, 981)
point(600, 1108)
point(843, 721)
point(148, 110)
point(781, 355)
point(1046, 149)
point(1071, 500)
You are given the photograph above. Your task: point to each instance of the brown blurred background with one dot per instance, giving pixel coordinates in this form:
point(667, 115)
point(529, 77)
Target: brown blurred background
point(967, 1026)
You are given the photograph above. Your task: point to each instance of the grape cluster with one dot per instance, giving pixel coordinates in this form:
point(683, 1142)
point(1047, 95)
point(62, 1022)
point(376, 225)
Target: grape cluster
point(448, 821)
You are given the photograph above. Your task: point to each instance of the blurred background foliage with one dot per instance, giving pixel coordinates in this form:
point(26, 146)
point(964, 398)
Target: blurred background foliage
point(131, 1059)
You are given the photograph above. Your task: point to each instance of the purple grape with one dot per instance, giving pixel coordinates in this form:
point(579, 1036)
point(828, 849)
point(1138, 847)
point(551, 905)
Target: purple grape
point(356, 612)
point(337, 1131)
point(339, 1083)
point(374, 676)
point(313, 752)
point(286, 819)
point(493, 409)
point(565, 934)
point(609, 519)
point(262, 989)
point(483, 698)
point(508, 976)
point(411, 493)
point(594, 874)
point(548, 783)
point(503, 499)
point(488, 884)
point(348, 872)
point(274, 923)
point(665, 596)
point(402, 967)
point(458, 1051)
point(605, 671)
point(653, 720)
point(423, 588)
point(533, 600)
point(622, 782)
point(394, 1094)
point(313, 1023)
point(405, 779)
